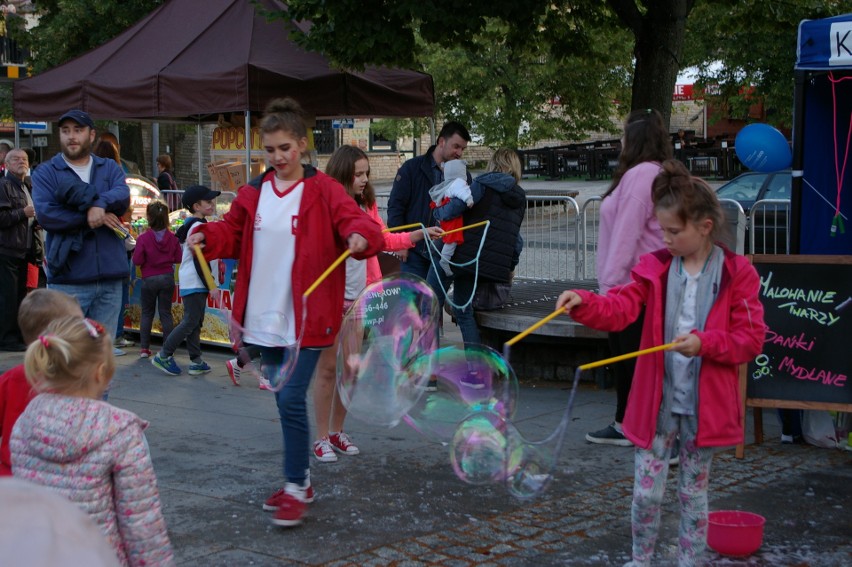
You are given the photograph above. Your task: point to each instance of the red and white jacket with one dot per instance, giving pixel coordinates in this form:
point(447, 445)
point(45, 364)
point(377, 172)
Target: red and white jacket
point(733, 334)
point(327, 217)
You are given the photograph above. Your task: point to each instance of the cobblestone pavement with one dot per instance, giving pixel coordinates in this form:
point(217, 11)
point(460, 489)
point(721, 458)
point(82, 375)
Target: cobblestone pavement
point(217, 454)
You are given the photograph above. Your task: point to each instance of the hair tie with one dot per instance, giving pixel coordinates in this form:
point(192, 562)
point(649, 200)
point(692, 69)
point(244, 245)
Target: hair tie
point(44, 339)
point(95, 329)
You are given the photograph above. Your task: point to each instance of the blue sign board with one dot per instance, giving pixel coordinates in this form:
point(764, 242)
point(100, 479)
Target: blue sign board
point(340, 123)
point(34, 126)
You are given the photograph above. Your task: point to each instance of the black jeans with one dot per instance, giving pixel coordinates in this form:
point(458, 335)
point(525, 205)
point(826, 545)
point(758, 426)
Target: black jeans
point(189, 328)
point(13, 289)
point(156, 295)
point(620, 343)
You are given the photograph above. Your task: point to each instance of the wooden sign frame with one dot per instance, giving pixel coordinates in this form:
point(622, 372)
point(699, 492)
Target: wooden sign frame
point(757, 404)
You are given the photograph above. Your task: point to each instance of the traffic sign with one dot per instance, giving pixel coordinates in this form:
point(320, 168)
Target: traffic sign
point(33, 126)
point(340, 123)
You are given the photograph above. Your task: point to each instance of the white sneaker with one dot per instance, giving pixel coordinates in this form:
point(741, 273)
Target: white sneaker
point(234, 371)
point(323, 451)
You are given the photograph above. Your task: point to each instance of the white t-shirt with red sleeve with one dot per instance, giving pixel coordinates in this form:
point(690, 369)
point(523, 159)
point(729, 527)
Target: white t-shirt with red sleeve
point(270, 319)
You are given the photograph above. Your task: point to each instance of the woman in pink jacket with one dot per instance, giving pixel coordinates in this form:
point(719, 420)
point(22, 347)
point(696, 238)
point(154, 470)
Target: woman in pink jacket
point(704, 299)
point(93, 453)
point(351, 167)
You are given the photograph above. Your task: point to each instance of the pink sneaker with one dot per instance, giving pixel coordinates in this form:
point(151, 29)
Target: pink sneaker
point(341, 443)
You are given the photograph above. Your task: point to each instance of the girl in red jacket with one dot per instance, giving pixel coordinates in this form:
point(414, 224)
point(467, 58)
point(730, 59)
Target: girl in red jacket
point(703, 298)
point(287, 227)
point(351, 167)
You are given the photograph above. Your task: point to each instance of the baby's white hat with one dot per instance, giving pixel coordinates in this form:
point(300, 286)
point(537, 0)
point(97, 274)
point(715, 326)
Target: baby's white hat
point(455, 169)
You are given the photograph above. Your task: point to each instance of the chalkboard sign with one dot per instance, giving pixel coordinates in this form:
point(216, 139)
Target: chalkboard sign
point(807, 354)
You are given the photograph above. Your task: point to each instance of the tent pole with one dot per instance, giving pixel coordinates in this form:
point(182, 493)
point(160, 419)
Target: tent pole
point(200, 153)
point(155, 147)
point(800, 78)
point(248, 145)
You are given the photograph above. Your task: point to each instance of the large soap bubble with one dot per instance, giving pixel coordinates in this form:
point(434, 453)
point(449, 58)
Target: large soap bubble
point(386, 344)
point(468, 379)
point(270, 329)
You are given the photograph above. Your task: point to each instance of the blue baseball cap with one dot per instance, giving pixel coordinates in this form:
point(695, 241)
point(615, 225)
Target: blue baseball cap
point(79, 117)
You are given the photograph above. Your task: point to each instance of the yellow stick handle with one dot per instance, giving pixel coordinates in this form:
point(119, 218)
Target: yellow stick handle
point(403, 227)
point(343, 257)
point(606, 361)
point(474, 225)
point(325, 274)
point(541, 323)
point(205, 268)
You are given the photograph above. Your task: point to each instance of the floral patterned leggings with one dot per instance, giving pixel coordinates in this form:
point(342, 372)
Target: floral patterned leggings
point(651, 470)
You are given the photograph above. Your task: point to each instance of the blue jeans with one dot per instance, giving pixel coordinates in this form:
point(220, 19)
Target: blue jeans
point(99, 300)
point(463, 290)
point(419, 264)
point(440, 282)
point(292, 407)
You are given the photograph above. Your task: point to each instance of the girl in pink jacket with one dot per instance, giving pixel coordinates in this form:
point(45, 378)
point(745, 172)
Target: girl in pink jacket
point(349, 165)
point(704, 299)
point(85, 449)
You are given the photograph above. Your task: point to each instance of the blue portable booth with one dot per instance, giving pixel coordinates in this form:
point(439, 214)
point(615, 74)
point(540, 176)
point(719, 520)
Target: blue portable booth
point(821, 206)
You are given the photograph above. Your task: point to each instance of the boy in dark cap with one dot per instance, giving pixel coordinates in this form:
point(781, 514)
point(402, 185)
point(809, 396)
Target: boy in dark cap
point(200, 202)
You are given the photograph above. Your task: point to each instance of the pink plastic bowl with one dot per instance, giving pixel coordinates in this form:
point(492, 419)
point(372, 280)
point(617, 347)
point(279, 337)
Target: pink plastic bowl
point(735, 533)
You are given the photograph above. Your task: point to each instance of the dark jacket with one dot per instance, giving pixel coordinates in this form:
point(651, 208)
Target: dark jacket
point(15, 229)
point(95, 254)
point(409, 197)
point(499, 199)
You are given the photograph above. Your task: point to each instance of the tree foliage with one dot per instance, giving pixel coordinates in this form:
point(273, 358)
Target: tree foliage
point(515, 94)
point(738, 45)
point(574, 41)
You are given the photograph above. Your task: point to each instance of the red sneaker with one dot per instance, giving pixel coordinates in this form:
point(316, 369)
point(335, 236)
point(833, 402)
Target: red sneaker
point(274, 502)
point(341, 443)
point(291, 506)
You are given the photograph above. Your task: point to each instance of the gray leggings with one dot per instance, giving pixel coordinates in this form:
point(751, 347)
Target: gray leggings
point(189, 328)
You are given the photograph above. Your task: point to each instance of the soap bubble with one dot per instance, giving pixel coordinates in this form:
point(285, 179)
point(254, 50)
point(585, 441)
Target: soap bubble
point(468, 379)
point(266, 329)
point(387, 340)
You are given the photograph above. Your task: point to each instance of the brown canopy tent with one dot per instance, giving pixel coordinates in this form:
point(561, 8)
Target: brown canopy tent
point(190, 59)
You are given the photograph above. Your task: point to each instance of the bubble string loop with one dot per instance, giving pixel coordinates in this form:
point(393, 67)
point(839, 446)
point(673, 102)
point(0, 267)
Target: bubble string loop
point(839, 172)
point(474, 261)
point(531, 479)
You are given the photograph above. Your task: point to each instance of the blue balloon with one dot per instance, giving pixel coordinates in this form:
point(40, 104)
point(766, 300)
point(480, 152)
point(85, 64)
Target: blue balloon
point(762, 148)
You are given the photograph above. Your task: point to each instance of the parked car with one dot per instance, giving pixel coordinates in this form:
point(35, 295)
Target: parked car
point(771, 222)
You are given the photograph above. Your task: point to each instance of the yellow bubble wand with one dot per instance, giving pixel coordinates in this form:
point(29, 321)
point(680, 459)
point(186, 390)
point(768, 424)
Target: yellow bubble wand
point(205, 268)
point(345, 255)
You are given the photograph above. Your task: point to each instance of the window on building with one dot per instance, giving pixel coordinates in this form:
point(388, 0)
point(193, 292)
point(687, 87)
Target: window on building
point(323, 137)
point(379, 143)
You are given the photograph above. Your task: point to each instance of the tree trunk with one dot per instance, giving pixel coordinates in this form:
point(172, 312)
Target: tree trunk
point(659, 33)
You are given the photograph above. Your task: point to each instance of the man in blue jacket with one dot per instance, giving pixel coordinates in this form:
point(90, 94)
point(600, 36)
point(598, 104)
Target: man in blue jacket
point(409, 197)
point(78, 200)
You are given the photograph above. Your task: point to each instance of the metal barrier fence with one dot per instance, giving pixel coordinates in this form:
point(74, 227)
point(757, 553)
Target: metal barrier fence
point(552, 239)
point(769, 227)
point(561, 239)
